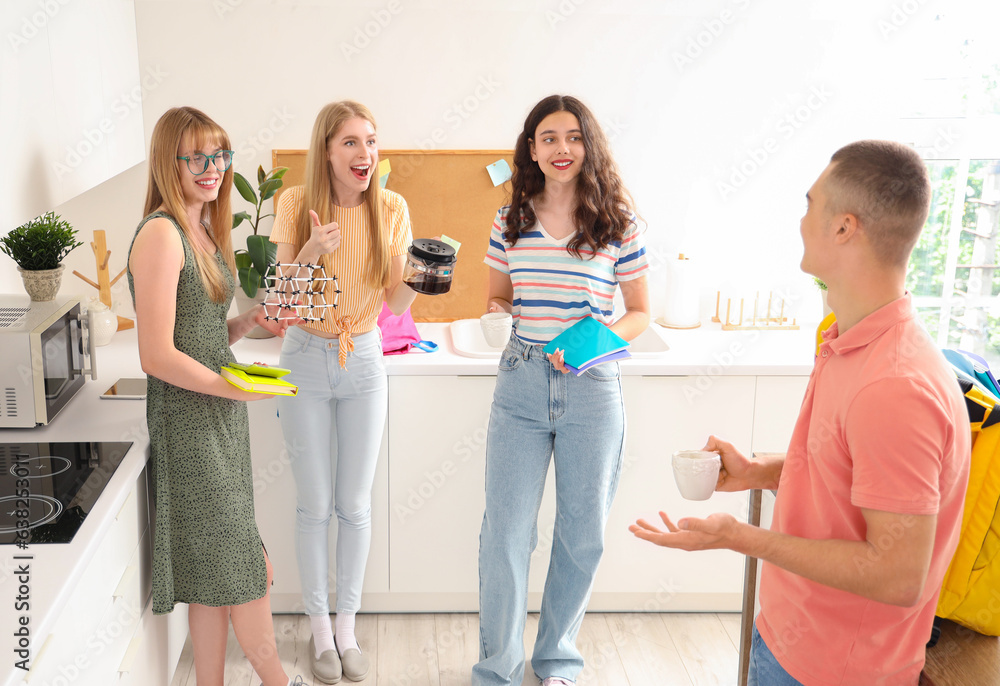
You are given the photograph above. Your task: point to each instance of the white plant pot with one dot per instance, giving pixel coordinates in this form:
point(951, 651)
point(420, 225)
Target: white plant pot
point(42, 284)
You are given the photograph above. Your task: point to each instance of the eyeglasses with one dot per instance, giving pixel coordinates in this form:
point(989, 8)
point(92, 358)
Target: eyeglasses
point(198, 163)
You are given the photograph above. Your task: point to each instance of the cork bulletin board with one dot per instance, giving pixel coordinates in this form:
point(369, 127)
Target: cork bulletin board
point(448, 192)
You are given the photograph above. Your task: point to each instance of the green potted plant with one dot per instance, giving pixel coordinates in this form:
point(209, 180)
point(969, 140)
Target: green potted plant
point(256, 262)
point(38, 247)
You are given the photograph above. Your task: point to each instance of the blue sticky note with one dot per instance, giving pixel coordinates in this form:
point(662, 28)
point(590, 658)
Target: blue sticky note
point(499, 172)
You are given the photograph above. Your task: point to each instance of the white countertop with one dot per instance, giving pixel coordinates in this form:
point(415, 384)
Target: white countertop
point(706, 350)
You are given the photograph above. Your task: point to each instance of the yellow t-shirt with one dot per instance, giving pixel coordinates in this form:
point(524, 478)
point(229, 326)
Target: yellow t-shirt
point(358, 304)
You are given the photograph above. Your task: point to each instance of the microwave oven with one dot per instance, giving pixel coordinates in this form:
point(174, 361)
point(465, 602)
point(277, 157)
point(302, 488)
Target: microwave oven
point(48, 355)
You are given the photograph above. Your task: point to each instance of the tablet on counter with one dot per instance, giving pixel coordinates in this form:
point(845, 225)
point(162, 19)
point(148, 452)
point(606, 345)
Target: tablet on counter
point(126, 389)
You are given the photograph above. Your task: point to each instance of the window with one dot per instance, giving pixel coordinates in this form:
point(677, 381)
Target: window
point(954, 120)
point(954, 274)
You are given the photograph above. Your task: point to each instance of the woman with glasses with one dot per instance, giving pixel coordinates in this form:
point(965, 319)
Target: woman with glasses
point(343, 220)
point(207, 550)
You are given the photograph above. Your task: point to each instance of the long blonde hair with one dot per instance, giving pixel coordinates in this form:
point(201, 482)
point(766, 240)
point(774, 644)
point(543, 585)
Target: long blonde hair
point(319, 192)
point(164, 189)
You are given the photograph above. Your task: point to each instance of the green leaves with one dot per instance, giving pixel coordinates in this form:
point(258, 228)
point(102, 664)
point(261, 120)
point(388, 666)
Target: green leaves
point(239, 217)
point(41, 243)
point(257, 261)
point(262, 252)
point(243, 186)
point(249, 277)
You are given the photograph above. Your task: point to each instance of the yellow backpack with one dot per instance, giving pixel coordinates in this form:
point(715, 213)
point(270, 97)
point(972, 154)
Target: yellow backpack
point(970, 593)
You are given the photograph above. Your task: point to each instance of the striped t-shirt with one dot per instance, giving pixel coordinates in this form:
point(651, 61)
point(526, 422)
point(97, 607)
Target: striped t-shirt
point(552, 288)
point(358, 304)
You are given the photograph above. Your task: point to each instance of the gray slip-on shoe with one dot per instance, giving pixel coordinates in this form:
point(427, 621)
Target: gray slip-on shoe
point(355, 664)
point(326, 667)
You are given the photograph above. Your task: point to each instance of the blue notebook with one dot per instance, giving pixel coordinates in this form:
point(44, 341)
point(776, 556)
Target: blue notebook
point(587, 343)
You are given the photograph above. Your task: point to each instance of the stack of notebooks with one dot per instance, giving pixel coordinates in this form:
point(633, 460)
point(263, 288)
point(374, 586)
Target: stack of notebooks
point(588, 343)
point(259, 378)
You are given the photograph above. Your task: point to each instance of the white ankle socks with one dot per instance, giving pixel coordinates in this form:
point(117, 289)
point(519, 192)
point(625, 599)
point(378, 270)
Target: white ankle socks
point(345, 633)
point(322, 633)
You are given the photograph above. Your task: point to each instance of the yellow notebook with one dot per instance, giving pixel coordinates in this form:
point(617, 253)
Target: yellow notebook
point(258, 384)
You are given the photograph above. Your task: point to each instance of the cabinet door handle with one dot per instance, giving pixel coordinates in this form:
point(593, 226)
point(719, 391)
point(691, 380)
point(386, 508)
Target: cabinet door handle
point(125, 666)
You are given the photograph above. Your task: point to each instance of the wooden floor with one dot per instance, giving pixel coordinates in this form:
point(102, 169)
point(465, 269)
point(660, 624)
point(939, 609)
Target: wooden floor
point(620, 650)
point(963, 658)
point(439, 650)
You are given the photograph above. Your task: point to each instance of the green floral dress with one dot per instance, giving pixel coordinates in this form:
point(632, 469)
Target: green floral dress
point(206, 547)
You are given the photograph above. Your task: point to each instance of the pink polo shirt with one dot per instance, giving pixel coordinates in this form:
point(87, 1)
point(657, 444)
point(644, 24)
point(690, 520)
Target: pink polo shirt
point(883, 426)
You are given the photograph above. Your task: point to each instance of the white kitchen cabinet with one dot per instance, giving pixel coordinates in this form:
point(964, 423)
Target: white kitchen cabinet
point(776, 410)
point(437, 445)
point(437, 450)
point(95, 629)
point(274, 502)
point(665, 414)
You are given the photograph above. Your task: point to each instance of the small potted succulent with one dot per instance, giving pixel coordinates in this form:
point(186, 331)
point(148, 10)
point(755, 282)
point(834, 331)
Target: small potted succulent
point(38, 247)
point(256, 262)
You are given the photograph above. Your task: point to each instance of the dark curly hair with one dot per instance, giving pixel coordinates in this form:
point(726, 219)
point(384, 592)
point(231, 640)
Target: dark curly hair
point(604, 206)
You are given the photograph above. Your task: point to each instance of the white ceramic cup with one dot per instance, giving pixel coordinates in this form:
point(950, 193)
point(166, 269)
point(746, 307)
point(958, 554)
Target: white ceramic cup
point(496, 328)
point(696, 473)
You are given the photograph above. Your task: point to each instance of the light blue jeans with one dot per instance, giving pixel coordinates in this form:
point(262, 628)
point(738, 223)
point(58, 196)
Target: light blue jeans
point(765, 670)
point(333, 431)
point(537, 414)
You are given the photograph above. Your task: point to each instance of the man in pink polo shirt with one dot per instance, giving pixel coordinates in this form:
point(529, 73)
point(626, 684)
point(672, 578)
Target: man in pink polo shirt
point(870, 492)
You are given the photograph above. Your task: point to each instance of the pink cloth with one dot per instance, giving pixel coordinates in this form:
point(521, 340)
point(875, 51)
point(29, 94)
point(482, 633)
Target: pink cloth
point(883, 426)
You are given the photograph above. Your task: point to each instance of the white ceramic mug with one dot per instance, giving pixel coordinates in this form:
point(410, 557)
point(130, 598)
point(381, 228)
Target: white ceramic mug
point(496, 328)
point(696, 473)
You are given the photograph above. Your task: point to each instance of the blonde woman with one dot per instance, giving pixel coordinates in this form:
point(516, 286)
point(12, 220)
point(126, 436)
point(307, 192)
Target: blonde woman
point(358, 232)
point(207, 550)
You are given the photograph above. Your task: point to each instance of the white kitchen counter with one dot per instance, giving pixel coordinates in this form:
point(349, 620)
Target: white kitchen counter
point(703, 351)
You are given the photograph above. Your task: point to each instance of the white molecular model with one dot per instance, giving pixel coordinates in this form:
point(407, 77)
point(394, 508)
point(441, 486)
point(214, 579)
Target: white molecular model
point(299, 301)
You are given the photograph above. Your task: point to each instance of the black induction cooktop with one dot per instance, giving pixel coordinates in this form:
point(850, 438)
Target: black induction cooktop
point(47, 489)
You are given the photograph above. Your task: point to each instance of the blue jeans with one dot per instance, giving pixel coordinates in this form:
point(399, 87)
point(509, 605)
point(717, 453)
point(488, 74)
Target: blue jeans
point(333, 430)
point(764, 667)
point(539, 414)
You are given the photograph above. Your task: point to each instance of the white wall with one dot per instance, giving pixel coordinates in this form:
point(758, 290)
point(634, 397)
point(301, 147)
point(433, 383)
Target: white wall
point(69, 101)
point(690, 92)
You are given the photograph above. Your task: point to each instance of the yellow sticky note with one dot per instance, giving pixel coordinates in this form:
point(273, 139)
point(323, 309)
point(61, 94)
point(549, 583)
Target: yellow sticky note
point(383, 172)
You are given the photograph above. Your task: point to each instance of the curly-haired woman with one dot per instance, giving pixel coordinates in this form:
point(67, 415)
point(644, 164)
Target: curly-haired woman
point(558, 252)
